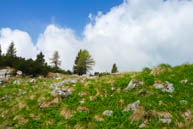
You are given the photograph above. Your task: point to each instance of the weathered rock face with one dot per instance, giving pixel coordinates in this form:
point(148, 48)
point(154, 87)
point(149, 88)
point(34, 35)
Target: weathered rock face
point(108, 113)
point(63, 92)
point(133, 84)
point(56, 85)
point(132, 107)
point(6, 74)
point(166, 87)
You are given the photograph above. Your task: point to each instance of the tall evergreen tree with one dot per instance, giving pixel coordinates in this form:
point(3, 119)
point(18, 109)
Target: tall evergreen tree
point(11, 52)
point(114, 69)
point(83, 62)
point(0, 51)
point(40, 58)
point(55, 60)
point(75, 68)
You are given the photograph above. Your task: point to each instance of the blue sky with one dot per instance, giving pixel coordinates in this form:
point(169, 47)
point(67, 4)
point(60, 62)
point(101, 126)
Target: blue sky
point(33, 16)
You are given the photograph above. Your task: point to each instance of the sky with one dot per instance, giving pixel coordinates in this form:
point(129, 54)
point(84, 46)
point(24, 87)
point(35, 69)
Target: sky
point(33, 16)
point(132, 33)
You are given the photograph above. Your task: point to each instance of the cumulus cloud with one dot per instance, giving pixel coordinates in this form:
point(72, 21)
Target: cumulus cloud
point(22, 41)
point(135, 34)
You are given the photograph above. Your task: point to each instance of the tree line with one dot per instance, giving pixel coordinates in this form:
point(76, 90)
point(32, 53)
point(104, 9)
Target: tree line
point(82, 65)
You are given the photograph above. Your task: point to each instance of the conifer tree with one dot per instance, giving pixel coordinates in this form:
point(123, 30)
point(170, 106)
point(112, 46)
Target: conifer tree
point(0, 51)
point(55, 60)
point(83, 62)
point(114, 69)
point(40, 58)
point(11, 52)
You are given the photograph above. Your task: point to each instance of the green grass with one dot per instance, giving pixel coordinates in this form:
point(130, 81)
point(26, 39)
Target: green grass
point(20, 107)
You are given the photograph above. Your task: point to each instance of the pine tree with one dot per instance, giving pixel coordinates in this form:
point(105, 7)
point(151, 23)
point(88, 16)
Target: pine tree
point(11, 52)
point(83, 62)
point(40, 58)
point(0, 51)
point(114, 69)
point(55, 60)
point(75, 68)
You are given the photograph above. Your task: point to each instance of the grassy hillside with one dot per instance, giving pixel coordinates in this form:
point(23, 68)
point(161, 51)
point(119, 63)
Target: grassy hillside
point(29, 104)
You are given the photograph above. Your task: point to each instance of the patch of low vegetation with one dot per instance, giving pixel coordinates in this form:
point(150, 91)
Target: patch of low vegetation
point(122, 100)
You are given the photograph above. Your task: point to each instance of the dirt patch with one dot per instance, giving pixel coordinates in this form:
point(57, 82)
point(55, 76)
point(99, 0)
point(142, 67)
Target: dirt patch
point(66, 113)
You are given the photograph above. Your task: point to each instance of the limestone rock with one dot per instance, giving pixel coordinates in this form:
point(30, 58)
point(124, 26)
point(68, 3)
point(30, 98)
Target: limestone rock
point(19, 73)
point(63, 92)
point(6, 74)
point(32, 81)
point(108, 113)
point(134, 83)
point(166, 87)
point(132, 107)
point(165, 121)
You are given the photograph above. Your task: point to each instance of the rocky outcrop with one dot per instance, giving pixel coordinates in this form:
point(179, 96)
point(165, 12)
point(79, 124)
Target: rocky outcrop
point(134, 83)
point(165, 87)
point(63, 92)
point(6, 74)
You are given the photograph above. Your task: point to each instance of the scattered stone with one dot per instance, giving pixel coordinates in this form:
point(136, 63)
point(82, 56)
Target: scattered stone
point(83, 109)
point(183, 102)
point(81, 94)
point(166, 87)
point(143, 125)
point(19, 73)
point(132, 107)
point(108, 113)
point(82, 101)
point(113, 88)
point(160, 102)
point(6, 74)
point(53, 101)
point(91, 98)
point(184, 81)
point(63, 92)
point(17, 82)
point(56, 85)
point(134, 83)
point(98, 118)
point(32, 81)
point(165, 121)
point(24, 92)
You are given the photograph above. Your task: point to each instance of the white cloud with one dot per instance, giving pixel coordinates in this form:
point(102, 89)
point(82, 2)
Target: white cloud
point(63, 40)
point(22, 42)
point(135, 34)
